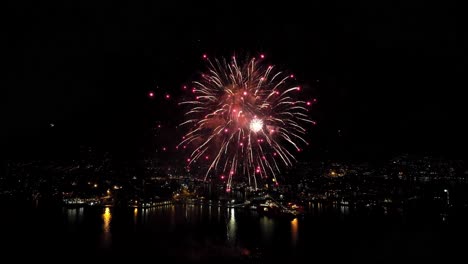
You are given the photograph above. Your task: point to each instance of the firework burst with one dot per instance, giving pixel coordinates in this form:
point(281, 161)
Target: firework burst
point(244, 120)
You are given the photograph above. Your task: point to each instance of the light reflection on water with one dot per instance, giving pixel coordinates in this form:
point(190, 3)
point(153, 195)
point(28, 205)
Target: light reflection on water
point(135, 215)
point(232, 227)
point(213, 224)
point(267, 226)
point(106, 228)
point(173, 216)
point(344, 209)
point(74, 215)
point(294, 231)
point(195, 232)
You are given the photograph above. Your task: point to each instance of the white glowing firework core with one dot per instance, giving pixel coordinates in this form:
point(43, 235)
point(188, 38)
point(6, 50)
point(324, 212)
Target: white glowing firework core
point(256, 125)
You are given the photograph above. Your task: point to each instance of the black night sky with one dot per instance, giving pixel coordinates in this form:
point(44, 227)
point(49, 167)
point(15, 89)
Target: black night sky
point(388, 76)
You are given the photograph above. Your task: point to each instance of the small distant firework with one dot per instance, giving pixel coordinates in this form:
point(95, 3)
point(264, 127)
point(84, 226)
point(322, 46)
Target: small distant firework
point(244, 120)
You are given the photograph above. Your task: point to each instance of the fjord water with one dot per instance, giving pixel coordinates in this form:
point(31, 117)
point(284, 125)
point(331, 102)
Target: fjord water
point(201, 233)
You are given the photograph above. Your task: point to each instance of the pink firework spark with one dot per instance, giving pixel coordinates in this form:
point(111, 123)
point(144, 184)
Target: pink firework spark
point(238, 105)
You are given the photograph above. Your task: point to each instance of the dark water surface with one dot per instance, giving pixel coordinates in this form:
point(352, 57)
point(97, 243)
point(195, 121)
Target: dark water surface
point(204, 233)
